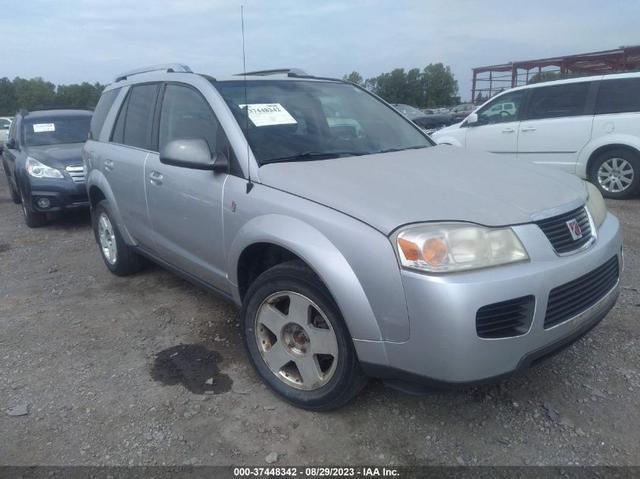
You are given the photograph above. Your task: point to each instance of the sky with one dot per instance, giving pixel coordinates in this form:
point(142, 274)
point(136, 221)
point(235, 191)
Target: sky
point(69, 41)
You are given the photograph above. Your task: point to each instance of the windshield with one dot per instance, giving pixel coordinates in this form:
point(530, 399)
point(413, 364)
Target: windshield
point(55, 131)
point(307, 120)
point(4, 124)
point(408, 111)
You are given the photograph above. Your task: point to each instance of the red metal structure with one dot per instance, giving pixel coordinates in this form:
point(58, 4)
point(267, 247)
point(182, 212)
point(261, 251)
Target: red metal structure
point(489, 80)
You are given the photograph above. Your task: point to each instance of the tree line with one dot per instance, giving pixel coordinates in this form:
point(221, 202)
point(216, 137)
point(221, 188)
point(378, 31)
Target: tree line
point(433, 86)
point(38, 94)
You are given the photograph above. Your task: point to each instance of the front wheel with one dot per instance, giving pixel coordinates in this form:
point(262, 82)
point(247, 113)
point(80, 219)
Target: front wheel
point(33, 219)
point(298, 341)
point(15, 195)
point(119, 257)
point(616, 173)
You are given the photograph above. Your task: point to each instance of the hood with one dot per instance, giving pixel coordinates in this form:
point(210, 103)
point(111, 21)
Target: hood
point(57, 156)
point(441, 183)
point(447, 129)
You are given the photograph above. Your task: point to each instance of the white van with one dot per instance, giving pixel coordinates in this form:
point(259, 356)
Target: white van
point(588, 126)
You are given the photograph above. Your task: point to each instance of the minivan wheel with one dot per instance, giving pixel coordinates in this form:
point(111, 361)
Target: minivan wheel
point(298, 341)
point(119, 257)
point(616, 173)
point(33, 219)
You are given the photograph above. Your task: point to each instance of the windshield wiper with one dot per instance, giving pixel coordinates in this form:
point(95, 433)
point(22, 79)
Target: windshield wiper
point(314, 155)
point(391, 150)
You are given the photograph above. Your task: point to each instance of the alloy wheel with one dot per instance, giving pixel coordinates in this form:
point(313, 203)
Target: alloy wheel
point(615, 175)
point(107, 239)
point(296, 340)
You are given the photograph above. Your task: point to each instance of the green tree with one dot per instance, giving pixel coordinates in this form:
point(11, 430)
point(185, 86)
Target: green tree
point(83, 95)
point(440, 84)
point(544, 76)
point(354, 77)
point(35, 93)
point(8, 101)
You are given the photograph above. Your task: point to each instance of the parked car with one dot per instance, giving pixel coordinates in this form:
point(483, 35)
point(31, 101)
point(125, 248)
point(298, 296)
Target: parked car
point(5, 124)
point(375, 254)
point(460, 112)
point(43, 162)
point(587, 126)
point(429, 122)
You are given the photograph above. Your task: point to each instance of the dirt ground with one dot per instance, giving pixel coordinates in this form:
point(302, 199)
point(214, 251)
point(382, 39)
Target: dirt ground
point(89, 376)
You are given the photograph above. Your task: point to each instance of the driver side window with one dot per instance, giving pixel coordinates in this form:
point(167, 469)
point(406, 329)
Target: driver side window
point(503, 109)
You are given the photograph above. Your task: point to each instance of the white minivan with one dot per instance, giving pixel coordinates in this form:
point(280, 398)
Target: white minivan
point(588, 126)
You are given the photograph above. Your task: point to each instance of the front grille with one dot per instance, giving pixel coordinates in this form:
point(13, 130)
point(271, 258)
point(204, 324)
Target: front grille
point(76, 173)
point(505, 319)
point(577, 296)
point(559, 234)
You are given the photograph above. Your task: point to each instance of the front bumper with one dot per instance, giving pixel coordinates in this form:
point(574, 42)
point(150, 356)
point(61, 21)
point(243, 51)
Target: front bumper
point(444, 346)
point(63, 194)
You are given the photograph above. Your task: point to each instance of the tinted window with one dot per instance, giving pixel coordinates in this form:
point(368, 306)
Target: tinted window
point(135, 120)
point(618, 96)
point(503, 109)
point(295, 120)
point(54, 131)
point(101, 111)
point(558, 101)
point(186, 114)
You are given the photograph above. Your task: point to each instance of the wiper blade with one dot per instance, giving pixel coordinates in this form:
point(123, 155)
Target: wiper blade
point(391, 150)
point(314, 155)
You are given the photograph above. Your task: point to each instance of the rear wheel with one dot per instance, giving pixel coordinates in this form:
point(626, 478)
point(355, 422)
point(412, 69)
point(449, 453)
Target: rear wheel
point(33, 219)
point(119, 257)
point(297, 339)
point(616, 173)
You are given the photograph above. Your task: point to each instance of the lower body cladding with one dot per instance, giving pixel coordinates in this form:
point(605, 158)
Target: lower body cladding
point(474, 327)
point(57, 195)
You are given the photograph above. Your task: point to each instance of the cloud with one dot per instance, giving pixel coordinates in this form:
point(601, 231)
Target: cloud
point(93, 40)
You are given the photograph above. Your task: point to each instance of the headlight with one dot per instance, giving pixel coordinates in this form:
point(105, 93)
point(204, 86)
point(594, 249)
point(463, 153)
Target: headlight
point(596, 204)
point(39, 170)
point(448, 247)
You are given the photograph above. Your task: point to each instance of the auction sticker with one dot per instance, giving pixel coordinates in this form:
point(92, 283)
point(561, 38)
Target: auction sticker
point(268, 114)
point(43, 127)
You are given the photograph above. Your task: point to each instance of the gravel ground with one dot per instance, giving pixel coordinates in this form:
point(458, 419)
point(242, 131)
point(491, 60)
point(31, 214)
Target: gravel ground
point(88, 376)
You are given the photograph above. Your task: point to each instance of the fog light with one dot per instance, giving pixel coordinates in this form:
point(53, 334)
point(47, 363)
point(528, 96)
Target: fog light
point(44, 203)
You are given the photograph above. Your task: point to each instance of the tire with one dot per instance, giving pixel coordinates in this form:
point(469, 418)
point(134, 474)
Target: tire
point(337, 376)
point(33, 219)
point(616, 173)
point(15, 196)
point(118, 256)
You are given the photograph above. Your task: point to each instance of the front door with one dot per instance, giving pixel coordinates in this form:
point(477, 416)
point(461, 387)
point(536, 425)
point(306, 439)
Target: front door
point(497, 128)
point(185, 205)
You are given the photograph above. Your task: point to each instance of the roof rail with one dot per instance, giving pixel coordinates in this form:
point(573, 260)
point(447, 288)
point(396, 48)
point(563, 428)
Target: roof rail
point(167, 67)
point(292, 72)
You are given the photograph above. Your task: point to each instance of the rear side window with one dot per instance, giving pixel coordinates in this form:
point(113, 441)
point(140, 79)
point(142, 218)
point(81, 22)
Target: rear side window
point(618, 96)
point(101, 112)
point(135, 120)
point(558, 101)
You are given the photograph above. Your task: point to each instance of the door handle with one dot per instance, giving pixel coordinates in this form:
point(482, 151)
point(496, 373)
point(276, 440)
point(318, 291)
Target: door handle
point(108, 165)
point(528, 128)
point(508, 130)
point(156, 177)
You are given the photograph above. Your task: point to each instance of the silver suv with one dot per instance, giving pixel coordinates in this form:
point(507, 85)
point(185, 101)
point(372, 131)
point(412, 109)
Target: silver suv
point(355, 247)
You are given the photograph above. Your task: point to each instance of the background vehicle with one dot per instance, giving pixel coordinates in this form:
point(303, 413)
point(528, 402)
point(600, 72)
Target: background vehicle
point(5, 124)
point(429, 122)
point(347, 248)
point(588, 126)
point(43, 162)
point(460, 112)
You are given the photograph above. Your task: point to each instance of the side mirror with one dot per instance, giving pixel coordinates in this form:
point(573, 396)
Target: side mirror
point(11, 144)
point(472, 119)
point(194, 154)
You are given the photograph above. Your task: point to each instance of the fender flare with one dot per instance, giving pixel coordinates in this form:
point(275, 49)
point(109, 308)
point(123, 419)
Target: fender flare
point(321, 255)
point(97, 179)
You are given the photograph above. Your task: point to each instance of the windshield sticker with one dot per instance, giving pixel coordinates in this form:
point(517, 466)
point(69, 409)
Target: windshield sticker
point(43, 127)
point(268, 114)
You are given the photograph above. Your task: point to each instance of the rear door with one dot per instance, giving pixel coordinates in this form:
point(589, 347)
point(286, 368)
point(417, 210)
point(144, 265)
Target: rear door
point(186, 205)
point(123, 162)
point(497, 128)
point(557, 125)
